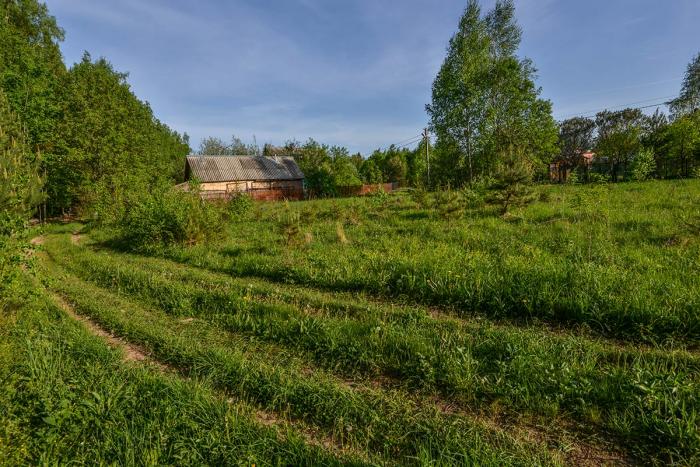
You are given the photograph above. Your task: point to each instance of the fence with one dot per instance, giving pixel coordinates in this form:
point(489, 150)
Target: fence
point(362, 190)
point(258, 194)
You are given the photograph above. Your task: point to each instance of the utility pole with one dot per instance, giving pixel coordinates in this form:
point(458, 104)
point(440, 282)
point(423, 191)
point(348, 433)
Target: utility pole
point(427, 152)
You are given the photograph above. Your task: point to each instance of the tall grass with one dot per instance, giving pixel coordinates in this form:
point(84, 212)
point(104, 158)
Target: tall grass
point(599, 383)
point(65, 397)
point(618, 260)
point(391, 426)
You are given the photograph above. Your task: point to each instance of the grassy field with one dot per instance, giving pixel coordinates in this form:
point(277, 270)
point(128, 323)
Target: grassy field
point(405, 329)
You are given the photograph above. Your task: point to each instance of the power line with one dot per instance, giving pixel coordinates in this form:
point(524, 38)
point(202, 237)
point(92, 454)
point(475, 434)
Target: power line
point(406, 141)
point(411, 143)
point(592, 113)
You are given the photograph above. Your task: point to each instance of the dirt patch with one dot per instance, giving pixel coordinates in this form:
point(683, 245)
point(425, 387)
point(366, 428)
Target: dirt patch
point(38, 240)
point(131, 352)
point(75, 238)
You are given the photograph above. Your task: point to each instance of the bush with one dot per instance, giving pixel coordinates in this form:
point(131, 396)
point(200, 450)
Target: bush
point(512, 182)
point(643, 165)
point(169, 217)
point(596, 177)
point(239, 206)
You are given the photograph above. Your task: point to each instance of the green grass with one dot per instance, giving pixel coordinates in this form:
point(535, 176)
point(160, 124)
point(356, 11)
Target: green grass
point(361, 418)
point(378, 331)
point(647, 397)
point(70, 399)
point(620, 260)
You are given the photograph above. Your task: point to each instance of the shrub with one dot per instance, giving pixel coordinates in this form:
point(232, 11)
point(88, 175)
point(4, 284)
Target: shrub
point(421, 197)
point(473, 199)
point(596, 177)
point(239, 206)
point(643, 165)
point(289, 223)
point(573, 178)
point(449, 204)
point(169, 217)
point(512, 184)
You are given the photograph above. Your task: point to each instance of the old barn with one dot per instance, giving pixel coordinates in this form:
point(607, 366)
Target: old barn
point(263, 178)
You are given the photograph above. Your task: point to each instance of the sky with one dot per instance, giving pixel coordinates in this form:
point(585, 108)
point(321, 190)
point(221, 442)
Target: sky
point(358, 73)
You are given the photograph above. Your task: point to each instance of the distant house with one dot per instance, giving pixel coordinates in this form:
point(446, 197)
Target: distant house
point(263, 178)
point(559, 170)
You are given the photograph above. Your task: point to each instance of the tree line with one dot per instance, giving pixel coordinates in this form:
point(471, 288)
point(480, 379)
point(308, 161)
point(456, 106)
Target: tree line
point(77, 136)
point(493, 127)
point(82, 126)
point(328, 169)
point(491, 123)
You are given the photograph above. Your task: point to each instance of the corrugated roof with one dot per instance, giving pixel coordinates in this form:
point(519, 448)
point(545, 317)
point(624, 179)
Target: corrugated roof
point(238, 168)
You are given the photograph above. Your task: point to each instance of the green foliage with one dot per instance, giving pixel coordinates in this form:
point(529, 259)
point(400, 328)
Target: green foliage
point(109, 139)
point(216, 147)
point(643, 165)
point(239, 206)
point(619, 138)
point(575, 138)
point(289, 223)
point(66, 395)
point(485, 99)
point(512, 182)
point(31, 70)
point(20, 192)
point(573, 178)
point(688, 101)
point(20, 185)
point(167, 217)
point(345, 172)
point(595, 177)
point(529, 321)
point(682, 146)
point(370, 172)
point(449, 204)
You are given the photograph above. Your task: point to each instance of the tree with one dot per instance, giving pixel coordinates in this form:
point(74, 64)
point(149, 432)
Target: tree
point(212, 146)
point(20, 192)
point(108, 139)
point(619, 138)
point(513, 177)
point(484, 97)
point(643, 165)
point(417, 165)
point(575, 138)
point(683, 143)
point(20, 184)
point(689, 99)
point(315, 161)
point(370, 172)
point(458, 111)
point(32, 69)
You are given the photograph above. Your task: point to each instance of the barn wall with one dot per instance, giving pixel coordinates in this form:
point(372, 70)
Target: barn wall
point(265, 191)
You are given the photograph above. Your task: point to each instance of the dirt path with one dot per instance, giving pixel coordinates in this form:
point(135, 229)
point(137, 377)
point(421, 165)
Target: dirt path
point(75, 238)
point(131, 352)
point(134, 353)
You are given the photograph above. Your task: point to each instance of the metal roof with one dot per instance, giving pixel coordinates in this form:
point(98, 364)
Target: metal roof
point(239, 168)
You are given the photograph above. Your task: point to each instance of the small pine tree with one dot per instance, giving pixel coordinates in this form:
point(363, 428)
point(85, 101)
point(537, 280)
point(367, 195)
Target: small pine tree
point(513, 179)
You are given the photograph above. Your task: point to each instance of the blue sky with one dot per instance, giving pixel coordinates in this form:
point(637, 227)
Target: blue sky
point(358, 72)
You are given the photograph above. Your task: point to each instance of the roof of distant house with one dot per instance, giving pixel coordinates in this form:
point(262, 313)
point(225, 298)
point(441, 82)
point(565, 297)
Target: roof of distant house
point(239, 168)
